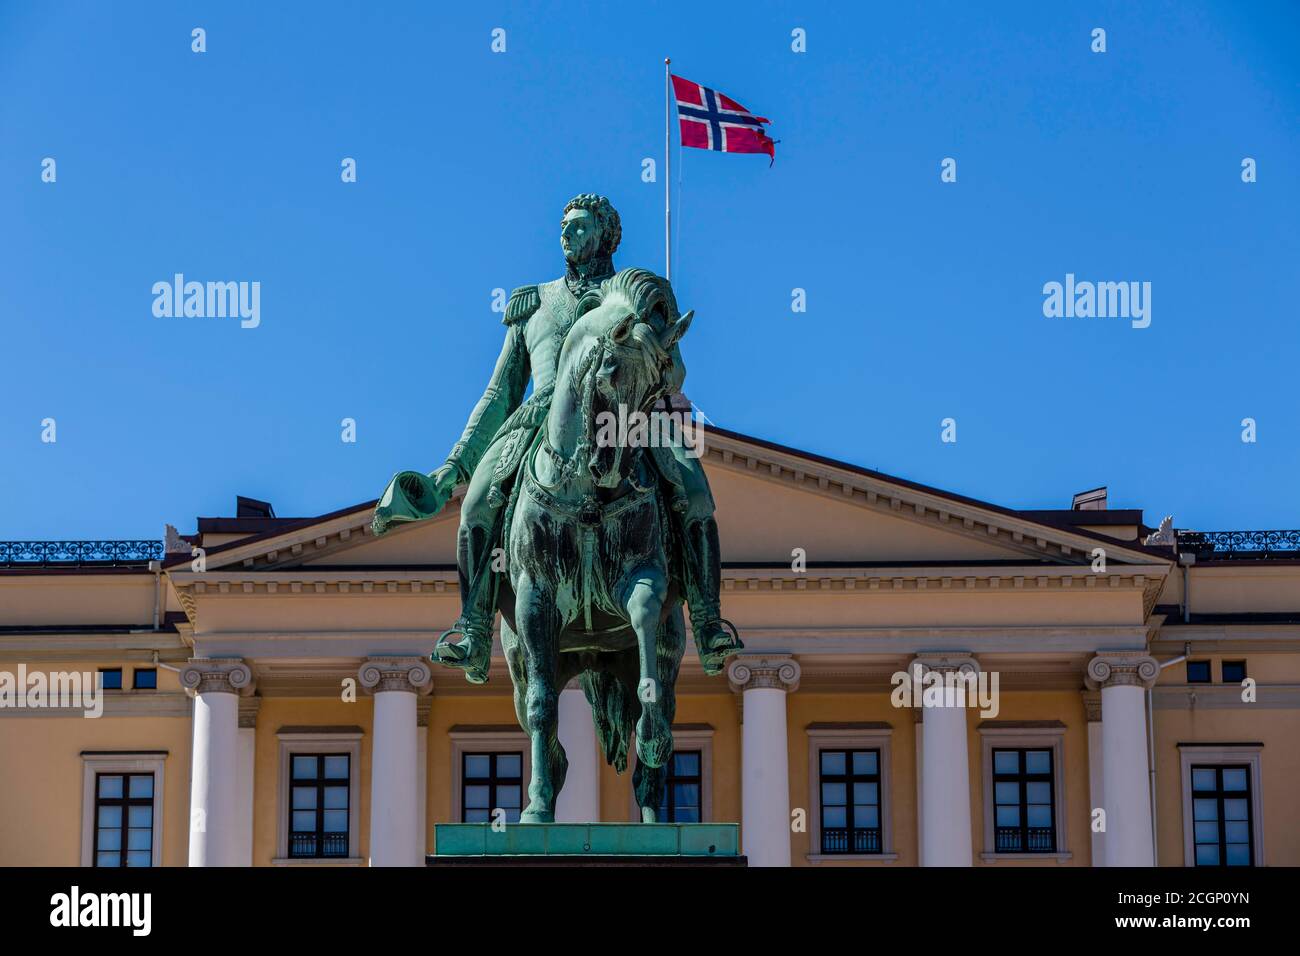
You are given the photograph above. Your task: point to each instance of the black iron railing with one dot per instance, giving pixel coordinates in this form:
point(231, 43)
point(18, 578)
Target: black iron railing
point(1240, 545)
point(1034, 840)
point(311, 845)
point(56, 554)
point(842, 840)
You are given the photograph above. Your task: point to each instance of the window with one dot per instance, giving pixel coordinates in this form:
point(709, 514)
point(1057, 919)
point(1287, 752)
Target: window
point(1198, 672)
point(319, 805)
point(144, 679)
point(682, 788)
point(1022, 795)
point(491, 781)
point(850, 801)
point(318, 796)
point(112, 677)
point(1221, 815)
point(124, 819)
point(1234, 672)
point(849, 767)
point(113, 813)
point(1025, 811)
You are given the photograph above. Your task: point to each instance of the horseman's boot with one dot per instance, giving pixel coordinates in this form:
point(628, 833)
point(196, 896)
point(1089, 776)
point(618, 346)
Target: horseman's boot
point(715, 637)
point(477, 601)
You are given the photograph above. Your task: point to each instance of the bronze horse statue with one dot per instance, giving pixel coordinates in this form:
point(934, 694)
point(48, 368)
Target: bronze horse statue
point(590, 590)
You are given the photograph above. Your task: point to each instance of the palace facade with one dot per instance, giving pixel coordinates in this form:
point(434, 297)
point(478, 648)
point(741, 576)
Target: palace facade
point(270, 699)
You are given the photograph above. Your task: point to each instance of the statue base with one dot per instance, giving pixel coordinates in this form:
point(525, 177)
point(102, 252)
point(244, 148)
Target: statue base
point(587, 844)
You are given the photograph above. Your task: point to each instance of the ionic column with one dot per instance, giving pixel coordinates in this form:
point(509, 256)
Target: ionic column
point(395, 839)
point(247, 759)
point(423, 707)
point(1123, 676)
point(763, 682)
point(214, 772)
point(579, 801)
point(1096, 789)
point(945, 763)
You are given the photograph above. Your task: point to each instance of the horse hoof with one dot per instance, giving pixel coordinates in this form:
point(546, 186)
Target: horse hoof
point(537, 816)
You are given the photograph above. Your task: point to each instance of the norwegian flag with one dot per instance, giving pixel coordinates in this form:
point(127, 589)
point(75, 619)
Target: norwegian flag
point(713, 120)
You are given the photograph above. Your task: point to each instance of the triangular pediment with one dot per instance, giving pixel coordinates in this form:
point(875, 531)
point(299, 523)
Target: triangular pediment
point(770, 501)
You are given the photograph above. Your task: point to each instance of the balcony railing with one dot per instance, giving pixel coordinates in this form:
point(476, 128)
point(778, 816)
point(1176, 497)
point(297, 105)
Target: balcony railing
point(78, 554)
point(1033, 840)
point(312, 845)
point(1240, 545)
point(842, 840)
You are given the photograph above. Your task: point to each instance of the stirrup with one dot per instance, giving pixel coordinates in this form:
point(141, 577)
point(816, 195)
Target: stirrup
point(735, 634)
point(468, 662)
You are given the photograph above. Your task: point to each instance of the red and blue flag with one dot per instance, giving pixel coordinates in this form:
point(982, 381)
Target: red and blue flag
point(713, 120)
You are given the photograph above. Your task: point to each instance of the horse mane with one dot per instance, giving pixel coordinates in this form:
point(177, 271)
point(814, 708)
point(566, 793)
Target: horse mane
point(642, 291)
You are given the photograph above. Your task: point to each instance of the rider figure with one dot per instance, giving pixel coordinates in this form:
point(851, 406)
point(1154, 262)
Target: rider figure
point(537, 319)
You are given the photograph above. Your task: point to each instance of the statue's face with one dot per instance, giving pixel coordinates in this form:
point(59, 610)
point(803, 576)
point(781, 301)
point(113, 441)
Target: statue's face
point(579, 235)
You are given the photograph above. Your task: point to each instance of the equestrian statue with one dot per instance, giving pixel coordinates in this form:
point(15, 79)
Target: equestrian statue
point(587, 544)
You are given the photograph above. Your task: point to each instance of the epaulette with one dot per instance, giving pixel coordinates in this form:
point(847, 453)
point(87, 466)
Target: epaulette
point(524, 301)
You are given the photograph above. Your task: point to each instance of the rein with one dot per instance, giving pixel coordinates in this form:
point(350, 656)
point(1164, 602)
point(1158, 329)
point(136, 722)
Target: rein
point(583, 386)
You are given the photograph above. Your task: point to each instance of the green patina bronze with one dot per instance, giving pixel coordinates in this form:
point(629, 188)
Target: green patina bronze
point(589, 839)
point(587, 546)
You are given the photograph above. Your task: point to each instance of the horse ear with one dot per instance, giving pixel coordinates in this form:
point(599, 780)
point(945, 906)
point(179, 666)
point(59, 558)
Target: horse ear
point(673, 334)
point(621, 331)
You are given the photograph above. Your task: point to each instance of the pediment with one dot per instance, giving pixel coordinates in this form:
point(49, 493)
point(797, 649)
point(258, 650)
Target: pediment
point(770, 501)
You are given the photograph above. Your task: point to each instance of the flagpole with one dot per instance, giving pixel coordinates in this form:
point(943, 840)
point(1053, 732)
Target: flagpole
point(668, 171)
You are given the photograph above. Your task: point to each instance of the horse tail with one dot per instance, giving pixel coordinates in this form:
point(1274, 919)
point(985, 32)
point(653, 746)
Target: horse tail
point(613, 709)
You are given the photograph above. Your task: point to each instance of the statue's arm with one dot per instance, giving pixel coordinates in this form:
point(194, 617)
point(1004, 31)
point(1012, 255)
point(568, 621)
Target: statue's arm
point(504, 393)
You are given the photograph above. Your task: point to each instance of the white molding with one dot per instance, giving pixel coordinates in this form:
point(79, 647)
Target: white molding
point(851, 738)
point(1210, 753)
point(92, 764)
point(487, 741)
point(1012, 736)
point(700, 739)
point(309, 742)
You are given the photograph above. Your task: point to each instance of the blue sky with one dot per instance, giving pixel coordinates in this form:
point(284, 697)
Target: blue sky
point(924, 299)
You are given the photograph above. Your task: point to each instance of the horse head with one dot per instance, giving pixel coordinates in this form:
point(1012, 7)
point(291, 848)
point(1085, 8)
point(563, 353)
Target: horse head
point(626, 340)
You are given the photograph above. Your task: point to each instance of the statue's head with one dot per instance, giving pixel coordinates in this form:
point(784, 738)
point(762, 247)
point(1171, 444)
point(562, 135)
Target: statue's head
point(590, 229)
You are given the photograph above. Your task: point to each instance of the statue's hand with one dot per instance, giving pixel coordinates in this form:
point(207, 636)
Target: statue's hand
point(444, 483)
point(414, 497)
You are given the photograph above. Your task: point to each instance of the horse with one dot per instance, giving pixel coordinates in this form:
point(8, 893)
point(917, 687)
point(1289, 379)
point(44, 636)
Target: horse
point(590, 591)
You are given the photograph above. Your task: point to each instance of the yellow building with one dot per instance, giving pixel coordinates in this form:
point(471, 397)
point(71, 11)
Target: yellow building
point(276, 705)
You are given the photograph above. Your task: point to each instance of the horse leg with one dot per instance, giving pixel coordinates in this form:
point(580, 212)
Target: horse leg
point(648, 782)
point(567, 667)
point(648, 785)
point(539, 626)
point(654, 737)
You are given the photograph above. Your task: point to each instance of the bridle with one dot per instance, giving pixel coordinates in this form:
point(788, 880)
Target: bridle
point(583, 387)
